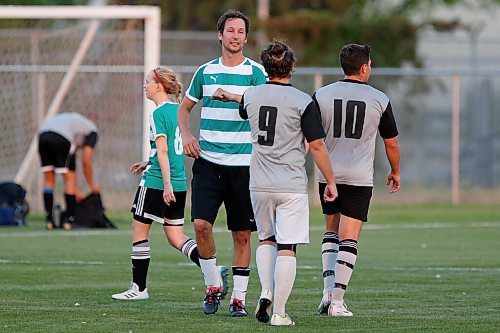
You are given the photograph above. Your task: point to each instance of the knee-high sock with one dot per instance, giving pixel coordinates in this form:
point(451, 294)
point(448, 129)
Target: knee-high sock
point(346, 259)
point(210, 272)
point(284, 277)
point(70, 206)
point(141, 255)
point(190, 249)
point(48, 202)
point(265, 258)
point(329, 250)
point(241, 275)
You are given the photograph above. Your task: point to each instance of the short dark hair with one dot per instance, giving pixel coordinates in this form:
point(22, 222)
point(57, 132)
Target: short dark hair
point(278, 60)
point(232, 14)
point(353, 56)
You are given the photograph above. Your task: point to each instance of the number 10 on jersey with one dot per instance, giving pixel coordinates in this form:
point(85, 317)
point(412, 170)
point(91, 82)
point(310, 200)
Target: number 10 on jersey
point(354, 118)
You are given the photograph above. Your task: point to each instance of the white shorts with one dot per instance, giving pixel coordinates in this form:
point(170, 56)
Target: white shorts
point(284, 215)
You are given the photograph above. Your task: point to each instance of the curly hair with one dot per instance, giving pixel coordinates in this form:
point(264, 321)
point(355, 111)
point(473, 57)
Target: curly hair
point(278, 60)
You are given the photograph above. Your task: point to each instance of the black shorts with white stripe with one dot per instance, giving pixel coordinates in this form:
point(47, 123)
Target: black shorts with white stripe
point(149, 206)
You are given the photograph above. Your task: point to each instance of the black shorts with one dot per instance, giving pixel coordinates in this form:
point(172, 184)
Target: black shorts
point(353, 201)
point(54, 151)
point(149, 206)
point(214, 184)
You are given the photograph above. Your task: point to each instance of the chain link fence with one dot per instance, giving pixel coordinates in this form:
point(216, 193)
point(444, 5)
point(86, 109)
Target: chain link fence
point(108, 90)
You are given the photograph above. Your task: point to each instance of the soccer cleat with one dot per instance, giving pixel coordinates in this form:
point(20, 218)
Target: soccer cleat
point(338, 309)
point(223, 274)
point(237, 309)
point(263, 309)
point(277, 320)
point(132, 294)
point(211, 301)
point(49, 225)
point(325, 302)
point(68, 223)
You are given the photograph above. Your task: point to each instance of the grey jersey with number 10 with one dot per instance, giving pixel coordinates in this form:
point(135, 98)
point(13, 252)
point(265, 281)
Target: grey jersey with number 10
point(281, 116)
point(351, 113)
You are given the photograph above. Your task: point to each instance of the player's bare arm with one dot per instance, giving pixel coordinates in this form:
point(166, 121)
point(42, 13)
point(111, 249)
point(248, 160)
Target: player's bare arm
point(225, 96)
point(190, 143)
point(138, 167)
point(162, 151)
point(320, 155)
point(393, 156)
point(88, 172)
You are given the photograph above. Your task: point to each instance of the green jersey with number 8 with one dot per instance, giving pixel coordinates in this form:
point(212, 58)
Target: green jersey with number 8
point(163, 122)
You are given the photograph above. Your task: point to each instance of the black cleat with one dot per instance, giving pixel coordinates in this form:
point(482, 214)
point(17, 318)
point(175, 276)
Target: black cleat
point(237, 309)
point(211, 301)
point(263, 310)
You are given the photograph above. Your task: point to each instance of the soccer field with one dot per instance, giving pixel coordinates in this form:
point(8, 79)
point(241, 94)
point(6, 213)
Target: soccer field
point(420, 268)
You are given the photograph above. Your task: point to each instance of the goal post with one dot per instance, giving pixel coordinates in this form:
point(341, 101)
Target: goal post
point(66, 85)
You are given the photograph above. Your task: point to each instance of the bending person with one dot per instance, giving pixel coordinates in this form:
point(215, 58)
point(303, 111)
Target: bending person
point(60, 137)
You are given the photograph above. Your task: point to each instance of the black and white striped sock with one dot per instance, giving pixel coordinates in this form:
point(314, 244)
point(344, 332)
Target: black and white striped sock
point(190, 249)
point(141, 255)
point(346, 259)
point(329, 251)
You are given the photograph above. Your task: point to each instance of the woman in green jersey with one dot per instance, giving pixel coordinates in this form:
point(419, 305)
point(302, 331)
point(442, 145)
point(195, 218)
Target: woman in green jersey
point(161, 195)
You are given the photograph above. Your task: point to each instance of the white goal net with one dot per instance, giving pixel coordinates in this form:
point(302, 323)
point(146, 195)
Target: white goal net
point(89, 60)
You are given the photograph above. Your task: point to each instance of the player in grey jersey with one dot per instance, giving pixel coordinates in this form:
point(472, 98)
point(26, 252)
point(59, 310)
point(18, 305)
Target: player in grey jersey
point(281, 119)
point(351, 112)
point(59, 139)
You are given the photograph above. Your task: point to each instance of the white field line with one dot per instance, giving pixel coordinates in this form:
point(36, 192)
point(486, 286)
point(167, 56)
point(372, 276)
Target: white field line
point(57, 262)
point(301, 267)
point(367, 226)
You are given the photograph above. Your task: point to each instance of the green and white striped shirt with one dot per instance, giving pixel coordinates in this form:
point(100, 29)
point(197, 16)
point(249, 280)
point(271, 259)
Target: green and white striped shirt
point(224, 136)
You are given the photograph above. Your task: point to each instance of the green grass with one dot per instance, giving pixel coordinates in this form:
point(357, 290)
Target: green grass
point(420, 268)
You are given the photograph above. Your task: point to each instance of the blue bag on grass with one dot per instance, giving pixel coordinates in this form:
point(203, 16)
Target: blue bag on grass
point(13, 206)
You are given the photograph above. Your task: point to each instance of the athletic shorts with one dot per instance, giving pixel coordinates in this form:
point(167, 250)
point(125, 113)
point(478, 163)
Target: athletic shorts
point(214, 184)
point(54, 153)
point(353, 201)
point(149, 206)
point(284, 215)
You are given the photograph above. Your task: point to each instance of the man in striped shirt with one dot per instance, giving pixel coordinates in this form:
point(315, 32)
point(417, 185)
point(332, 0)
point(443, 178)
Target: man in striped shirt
point(222, 153)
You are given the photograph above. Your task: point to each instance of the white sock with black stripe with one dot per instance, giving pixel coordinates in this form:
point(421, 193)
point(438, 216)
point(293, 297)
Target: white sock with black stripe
point(329, 251)
point(210, 271)
point(346, 259)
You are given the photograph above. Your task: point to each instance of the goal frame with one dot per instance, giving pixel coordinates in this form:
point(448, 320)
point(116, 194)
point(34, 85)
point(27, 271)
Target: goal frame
point(152, 48)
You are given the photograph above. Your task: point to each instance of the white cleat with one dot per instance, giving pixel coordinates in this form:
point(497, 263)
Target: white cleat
point(325, 302)
point(132, 294)
point(277, 320)
point(338, 309)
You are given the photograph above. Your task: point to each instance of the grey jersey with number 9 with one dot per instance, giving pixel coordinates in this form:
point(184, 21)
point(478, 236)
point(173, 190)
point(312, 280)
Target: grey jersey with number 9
point(281, 116)
point(351, 113)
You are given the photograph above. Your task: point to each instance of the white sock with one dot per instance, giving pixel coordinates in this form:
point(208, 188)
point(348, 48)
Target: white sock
point(329, 250)
point(210, 273)
point(284, 277)
point(240, 285)
point(265, 258)
point(346, 259)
